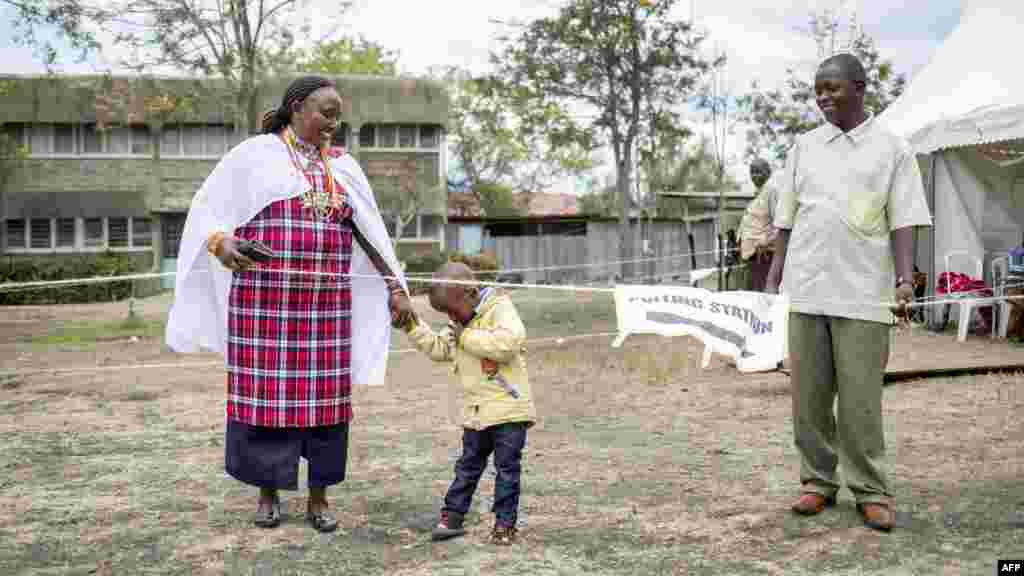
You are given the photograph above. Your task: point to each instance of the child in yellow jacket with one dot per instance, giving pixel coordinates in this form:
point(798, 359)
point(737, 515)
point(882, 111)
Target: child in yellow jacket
point(485, 341)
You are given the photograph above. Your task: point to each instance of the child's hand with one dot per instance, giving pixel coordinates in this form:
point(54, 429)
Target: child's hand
point(457, 330)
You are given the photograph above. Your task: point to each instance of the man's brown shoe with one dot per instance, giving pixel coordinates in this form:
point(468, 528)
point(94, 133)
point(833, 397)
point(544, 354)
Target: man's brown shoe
point(810, 504)
point(876, 515)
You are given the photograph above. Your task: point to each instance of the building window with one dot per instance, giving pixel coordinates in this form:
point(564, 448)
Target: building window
point(93, 232)
point(16, 234)
point(386, 136)
point(430, 225)
point(198, 140)
point(367, 136)
point(75, 139)
point(92, 139)
point(117, 232)
point(142, 232)
point(192, 140)
point(215, 141)
point(407, 136)
point(172, 225)
point(341, 135)
point(119, 140)
point(419, 137)
point(142, 143)
point(14, 137)
point(429, 137)
point(65, 233)
point(40, 235)
point(64, 139)
point(170, 141)
point(41, 137)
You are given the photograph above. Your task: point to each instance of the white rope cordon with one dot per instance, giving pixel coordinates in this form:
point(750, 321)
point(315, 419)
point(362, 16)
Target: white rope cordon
point(515, 285)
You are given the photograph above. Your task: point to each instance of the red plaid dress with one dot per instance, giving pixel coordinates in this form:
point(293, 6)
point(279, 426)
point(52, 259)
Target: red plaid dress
point(289, 335)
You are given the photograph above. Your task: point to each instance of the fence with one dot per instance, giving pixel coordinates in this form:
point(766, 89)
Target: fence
point(578, 259)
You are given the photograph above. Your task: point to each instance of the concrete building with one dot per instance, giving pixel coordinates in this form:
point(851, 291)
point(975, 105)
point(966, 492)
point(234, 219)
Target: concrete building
point(111, 163)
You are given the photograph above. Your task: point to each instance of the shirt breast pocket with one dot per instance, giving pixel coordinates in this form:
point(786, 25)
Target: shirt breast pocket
point(866, 200)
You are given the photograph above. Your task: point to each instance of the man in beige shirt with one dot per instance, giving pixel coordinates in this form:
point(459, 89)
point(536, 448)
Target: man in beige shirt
point(849, 197)
point(757, 235)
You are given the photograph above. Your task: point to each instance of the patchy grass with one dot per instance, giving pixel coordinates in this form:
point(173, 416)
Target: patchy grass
point(548, 313)
point(551, 313)
point(640, 464)
point(9, 382)
point(86, 332)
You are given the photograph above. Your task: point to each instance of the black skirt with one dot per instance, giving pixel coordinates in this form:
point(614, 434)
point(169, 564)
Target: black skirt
point(269, 457)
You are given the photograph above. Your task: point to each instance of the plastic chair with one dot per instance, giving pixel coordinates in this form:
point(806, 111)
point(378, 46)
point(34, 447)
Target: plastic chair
point(967, 301)
point(1000, 308)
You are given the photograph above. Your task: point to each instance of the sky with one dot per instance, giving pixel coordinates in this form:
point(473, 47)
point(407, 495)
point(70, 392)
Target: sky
point(757, 36)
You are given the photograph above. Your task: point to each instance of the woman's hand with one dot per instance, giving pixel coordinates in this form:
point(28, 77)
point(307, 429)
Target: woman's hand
point(401, 309)
point(229, 256)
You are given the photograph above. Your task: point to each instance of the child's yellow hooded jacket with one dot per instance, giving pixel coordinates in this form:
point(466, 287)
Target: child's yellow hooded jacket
point(489, 360)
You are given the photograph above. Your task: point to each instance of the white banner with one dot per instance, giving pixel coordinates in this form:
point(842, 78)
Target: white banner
point(748, 327)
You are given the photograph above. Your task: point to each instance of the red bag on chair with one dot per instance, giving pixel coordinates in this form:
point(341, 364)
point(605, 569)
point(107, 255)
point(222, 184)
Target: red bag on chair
point(952, 282)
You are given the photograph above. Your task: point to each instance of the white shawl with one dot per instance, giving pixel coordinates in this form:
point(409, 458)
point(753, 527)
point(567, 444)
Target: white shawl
point(251, 176)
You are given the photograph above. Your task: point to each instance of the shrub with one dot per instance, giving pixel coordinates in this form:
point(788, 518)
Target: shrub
point(422, 265)
point(55, 268)
point(485, 263)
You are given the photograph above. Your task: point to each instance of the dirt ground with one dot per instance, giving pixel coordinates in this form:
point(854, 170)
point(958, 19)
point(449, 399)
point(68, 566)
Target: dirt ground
point(111, 461)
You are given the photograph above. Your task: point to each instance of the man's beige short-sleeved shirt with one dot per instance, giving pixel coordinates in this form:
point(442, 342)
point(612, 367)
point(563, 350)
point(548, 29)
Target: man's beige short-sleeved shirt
point(841, 194)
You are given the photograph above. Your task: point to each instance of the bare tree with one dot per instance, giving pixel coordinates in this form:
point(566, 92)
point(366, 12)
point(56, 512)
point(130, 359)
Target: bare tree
point(231, 40)
point(403, 194)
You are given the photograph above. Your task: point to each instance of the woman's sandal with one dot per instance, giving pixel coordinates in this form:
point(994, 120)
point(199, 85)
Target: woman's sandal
point(271, 517)
point(322, 521)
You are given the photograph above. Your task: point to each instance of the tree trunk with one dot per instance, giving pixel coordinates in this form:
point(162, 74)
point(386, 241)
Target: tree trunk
point(721, 230)
point(625, 238)
point(247, 115)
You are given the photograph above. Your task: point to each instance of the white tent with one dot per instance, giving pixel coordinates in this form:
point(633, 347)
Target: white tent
point(963, 114)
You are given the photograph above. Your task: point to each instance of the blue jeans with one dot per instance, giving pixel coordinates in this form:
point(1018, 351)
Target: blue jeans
point(506, 441)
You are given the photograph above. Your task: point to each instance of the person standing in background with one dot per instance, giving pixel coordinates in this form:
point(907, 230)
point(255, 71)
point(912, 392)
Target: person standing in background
point(757, 233)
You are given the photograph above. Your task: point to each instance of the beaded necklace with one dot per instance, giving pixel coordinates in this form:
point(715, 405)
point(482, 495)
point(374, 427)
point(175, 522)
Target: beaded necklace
point(322, 203)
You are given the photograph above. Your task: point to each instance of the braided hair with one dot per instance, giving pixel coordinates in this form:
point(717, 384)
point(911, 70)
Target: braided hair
point(275, 119)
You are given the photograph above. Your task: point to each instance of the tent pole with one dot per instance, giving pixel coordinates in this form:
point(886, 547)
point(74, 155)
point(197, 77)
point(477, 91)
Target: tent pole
point(932, 313)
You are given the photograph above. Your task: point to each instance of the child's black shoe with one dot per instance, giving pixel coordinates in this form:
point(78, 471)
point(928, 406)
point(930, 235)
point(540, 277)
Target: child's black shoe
point(450, 526)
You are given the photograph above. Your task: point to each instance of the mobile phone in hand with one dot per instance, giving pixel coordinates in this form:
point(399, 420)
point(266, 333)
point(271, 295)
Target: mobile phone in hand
point(255, 251)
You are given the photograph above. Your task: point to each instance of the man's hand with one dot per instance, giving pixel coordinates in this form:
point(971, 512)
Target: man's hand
point(402, 312)
point(904, 297)
point(230, 257)
point(778, 261)
point(771, 283)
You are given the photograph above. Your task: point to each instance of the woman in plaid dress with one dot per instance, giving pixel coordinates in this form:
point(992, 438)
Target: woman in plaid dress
point(290, 320)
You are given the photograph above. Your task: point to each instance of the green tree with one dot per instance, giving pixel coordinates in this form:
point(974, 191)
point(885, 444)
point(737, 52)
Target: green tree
point(402, 193)
point(777, 117)
point(497, 137)
point(601, 200)
point(690, 170)
point(348, 56)
point(628, 61)
point(497, 200)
